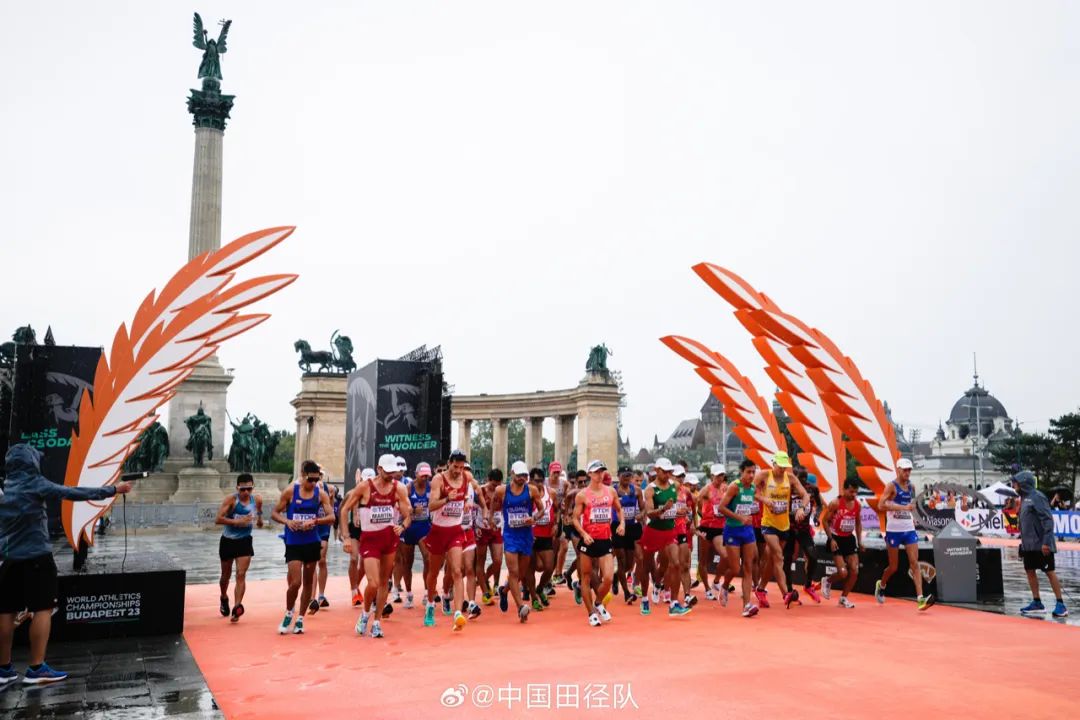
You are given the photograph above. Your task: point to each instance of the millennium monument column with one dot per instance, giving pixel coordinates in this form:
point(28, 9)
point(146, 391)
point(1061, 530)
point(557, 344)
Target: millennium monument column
point(207, 386)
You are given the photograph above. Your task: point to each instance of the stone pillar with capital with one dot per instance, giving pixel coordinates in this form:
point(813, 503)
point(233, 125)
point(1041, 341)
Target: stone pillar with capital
point(320, 422)
point(500, 443)
point(464, 437)
point(534, 441)
point(564, 438)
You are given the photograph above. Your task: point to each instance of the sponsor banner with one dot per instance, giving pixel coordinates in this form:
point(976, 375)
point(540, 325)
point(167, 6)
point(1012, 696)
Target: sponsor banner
point(980, 521)
point(1066, 524)
point(869, 518)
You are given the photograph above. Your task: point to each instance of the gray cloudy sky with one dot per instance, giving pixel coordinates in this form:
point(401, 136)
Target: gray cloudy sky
point(519, 181)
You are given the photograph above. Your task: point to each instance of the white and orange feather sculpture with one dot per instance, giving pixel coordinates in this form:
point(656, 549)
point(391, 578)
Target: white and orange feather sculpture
point(755, 424)
point(793, 350)
point(172, 331)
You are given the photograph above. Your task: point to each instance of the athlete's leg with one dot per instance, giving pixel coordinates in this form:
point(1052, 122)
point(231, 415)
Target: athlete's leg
point(242, 564)
point(852, 573)
point(607, 572)
point(585, 565)
point(684, 567)
point(913, 563)
point(894, 563)
point(748, 555)
point(546, 567)
point(514, 581)
point(403, 563)
point(842, 570)
point(435, 563)
point(453, 558)
point(496, 563)
point(226, 575)
point(620, 574)
point(468, 569)
point(776, 553)
point(671, 577)
point(645, 571)
point(718, 551)
point(322, 569)
point(307, 576)
point(560, 556)
point(295, 570)
point(376, 588)
point(354, 567)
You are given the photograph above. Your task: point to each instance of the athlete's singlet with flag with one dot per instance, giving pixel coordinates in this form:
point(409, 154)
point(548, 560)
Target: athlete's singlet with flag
point(900, 520)
point(453, 512)
point(666, 520)
point(844, 519)
point(777, 499)
point(377, 519)
point(598, 512)
point(711, 517)
point(516, 510)
point(684, 500)
point(302, 509)
point(239, 509)
point(545, 524)
point(629, 504)
point(743, 503)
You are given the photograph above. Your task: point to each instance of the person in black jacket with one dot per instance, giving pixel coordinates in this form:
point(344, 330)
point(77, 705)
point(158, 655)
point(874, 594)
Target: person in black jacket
point(1037, 543)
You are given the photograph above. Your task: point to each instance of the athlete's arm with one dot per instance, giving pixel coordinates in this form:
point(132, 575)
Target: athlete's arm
point(437, 500)
point(886, 502)
point(538, 504)
point(223, 509)
point(258, 511)
point(621, 530)
point(579, 509)
point(404, 507)
point(858, 526)
point(278, 514)
point(328, 510)
point(805, 496)
point(497, 500)
point(351, 500)
point(727, 512)
point(826, 515)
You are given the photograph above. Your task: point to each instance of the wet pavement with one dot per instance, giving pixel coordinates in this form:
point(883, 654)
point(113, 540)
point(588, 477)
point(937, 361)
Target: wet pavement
point(157, 677)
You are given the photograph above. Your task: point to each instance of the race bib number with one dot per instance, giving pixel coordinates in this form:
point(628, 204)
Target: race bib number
point(517, 518)
point(668, 514)
point(467, 520)
point(847, 525)
point(779, 506)
point(545, 519)
point(901, 515)
point(745, 509)
point(497, 521)
point(454, 508)
point(630, 513)
point(420, 512)
point(680, 508)
point(303, 516)
point(716, 510)
point(381, 514)
point(600, 514)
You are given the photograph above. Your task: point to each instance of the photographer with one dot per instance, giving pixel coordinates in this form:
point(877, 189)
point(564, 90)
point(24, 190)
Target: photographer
point(27, 571)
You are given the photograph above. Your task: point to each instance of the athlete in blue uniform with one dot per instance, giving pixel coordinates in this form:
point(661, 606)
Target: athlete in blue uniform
point(238, 513)
point(899, 504)
point(298, 510)
point(419, 494)
point(321, 570)
point(519, 501)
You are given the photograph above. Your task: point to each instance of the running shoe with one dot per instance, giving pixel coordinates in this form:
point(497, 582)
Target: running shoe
point(387, 610)
point(459, 621)
point(44, 674)
point(925, 601)
point(523, 613)
point(487, 599)
point(408, 602)
point(645, 609)
point(879, 592)
point(544, 599)
point(731, 588)
point(8, 674)
point(395, 595)
point(560, 580)
point(236, 613)
point(724, 593)
point(568, 578)
point(603, 613)
point(629, 579)
point(429, 615)
point(376, 629)
point(677, 610)
point(474, 611)
point(690, 600)
point(791, 597)
point(812, 592)
point(549, 590)
point(536, 605)
point(1060, 610)
point(323, 602)
point(284, 626)
point(750, 610)
point(357, 599)
point(298, 628)
point(361, 624)
point(694, 584)
point(710, 596)
point(762, 598)
point(577, 592)
point(654, 594)
point(629, 598)
point(637, 590)
point(313, 606)
point(594, 620)
point(224, 607)
point(504, 601)
point(1035, 607)
point(845, 603)
point(447, 609)
point(826, 587)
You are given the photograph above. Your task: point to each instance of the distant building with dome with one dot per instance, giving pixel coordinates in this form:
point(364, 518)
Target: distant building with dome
point(976, 420)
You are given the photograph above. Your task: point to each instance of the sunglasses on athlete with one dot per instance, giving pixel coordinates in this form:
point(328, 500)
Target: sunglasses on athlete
point(244, 489)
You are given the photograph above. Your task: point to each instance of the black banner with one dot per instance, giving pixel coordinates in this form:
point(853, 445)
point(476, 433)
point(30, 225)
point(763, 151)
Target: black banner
point(48, 388)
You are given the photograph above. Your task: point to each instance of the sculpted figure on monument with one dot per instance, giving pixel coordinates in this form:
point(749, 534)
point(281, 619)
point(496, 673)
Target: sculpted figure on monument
point(152, 451)
point(343, 360)
point(210, 67)
point(244, 451)
point(22, 336)
point(323, 358)
point(200, 441)
point(597, 362)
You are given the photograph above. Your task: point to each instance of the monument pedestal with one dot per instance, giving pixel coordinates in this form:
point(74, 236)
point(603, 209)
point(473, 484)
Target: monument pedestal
point(207, 386)
point(198, 484)
point(320, 422)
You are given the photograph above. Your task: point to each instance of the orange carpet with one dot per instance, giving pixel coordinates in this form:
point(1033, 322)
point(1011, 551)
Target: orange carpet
point(874, 661)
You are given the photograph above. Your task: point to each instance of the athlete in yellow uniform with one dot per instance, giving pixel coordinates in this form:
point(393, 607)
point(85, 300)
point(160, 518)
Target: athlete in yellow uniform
point(773, 489)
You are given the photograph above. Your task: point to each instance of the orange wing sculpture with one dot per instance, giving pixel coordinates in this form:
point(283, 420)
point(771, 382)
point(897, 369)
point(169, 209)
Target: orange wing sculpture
point(853, 408)
point(754, 422)
point(171, 333)
point(819, 439)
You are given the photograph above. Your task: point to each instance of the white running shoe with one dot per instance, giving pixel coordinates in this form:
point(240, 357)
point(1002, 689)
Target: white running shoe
point(594, 620)
point(283, 628)
point(723, 596)
point(603, 613)
point(361, 624)
point(654, 595)
point(408, 602)
point(826, 587)
point(395, 595)
point(710, 595)
point(845, 603)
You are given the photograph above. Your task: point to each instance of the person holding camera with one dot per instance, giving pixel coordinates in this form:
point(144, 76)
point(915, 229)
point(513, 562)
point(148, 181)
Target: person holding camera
point(27, 570)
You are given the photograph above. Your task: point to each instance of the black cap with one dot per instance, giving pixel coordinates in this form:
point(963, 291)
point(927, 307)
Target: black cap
point(625, 470)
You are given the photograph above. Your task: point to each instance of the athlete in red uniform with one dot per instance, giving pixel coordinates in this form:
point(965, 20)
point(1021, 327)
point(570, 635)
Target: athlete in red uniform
point(711, 530)
point(594, 508)
point(842, 521)
point(543, 557)
point(489, 539)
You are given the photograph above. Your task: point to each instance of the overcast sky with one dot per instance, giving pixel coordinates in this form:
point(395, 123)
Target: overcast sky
point(519, 181)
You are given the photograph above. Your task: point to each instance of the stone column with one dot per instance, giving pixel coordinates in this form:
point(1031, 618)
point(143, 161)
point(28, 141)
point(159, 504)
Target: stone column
point(534, 441)
point(320, 422)
point(500, 443)
point(204, 230)
point(564, 438)
point(464, 438)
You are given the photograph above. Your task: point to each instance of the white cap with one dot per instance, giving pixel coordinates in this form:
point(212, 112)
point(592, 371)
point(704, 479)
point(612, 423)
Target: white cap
point(596, 466)
point(388, 463)
point(717, 469)
point(678, 471)
point(691, 479)
point(519, 468)
point(367, 474)
point(664, 464)
point(904, 464)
